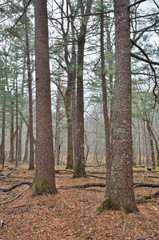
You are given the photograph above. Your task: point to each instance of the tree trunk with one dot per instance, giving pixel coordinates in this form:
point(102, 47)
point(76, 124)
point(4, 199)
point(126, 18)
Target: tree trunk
point(20, 143)
point(45, 174)
point(105, 105)
point(68, 107)
point(58, 133)
point(139, 144)
point(31, 157)
point(25, 158)
point(11, 153)
point(17, 127)
point(121, 194)
point(74, 97)
point(79, 168)
point(151, 142)
point(146, 147)
point(2, 150)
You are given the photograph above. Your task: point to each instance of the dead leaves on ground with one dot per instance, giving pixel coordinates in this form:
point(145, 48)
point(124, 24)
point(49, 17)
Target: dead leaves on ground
point(70, 213)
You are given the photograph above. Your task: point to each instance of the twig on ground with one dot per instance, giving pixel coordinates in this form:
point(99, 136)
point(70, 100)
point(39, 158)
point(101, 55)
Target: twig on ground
point(147, 237)
point(13, 198)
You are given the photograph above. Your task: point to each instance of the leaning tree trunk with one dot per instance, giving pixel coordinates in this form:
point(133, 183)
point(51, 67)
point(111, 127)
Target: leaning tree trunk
point(45, 174)
point(121, 193)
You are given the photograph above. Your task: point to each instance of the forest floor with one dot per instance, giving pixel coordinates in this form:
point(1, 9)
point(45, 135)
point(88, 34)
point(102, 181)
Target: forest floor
point(70, 213)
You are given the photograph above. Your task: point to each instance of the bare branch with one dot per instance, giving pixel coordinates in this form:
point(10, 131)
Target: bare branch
point(135, 3)
point(21, 15)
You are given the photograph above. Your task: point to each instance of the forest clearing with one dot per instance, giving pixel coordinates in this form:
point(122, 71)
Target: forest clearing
point(70, 214)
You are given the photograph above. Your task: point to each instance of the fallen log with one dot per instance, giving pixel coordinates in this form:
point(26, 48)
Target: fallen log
point(14, 186)
point(146, 184)
point(87, 185)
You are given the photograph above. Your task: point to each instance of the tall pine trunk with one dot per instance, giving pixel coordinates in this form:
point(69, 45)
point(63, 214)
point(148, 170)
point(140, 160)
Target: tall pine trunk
point(121, 193)
point(105, 105)
point(45, 173)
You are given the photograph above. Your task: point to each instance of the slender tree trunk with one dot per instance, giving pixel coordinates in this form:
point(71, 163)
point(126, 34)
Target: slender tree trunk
point(121, 193)
point(105, 106)
point(146, 147)
point(20, 143)
point(45, 173)
point(2, 150)
point(57, 138)
point(139, 144)
point(74, 97)
point(25, 158)
point(110, 74)
point(68, 107)
point(31, 157)
point(17, 127)
point(151, 143)
point(11, 154)
point(79, 168)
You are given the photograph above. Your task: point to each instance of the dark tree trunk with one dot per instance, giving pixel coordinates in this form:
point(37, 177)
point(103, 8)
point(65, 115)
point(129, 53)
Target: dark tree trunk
point(11, 153)
point(68, 107)
point(2, 150)
point(74, 97)
point(17, 127)
point(57, 138)
point(121, 194)
point(105, 105)
point(139, 144)
point(31, 148)
point(20, 143)
point(25, 158)
point(151, 143)
point(45, 173)
point(146, 147)
point(79, 168)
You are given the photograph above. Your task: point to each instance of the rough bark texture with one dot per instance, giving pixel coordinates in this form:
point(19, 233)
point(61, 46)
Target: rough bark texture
point(121, 191)
point(45, 173)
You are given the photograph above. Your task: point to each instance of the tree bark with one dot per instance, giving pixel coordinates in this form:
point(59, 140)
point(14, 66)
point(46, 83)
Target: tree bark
point(79, 168)
point(31, 155)
point(2, 149)
point(45, 174)
point(151, 143)
point(17, 127)
point(105, 105)
point(121, 192)
point(11, 153)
